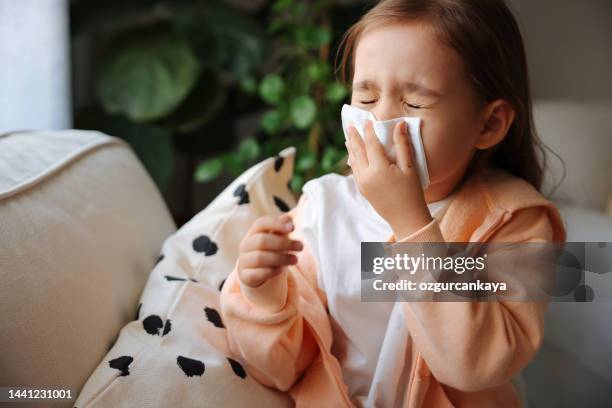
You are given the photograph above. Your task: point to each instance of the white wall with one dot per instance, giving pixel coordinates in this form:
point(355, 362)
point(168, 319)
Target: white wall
point(35, 65)
point(569, 47)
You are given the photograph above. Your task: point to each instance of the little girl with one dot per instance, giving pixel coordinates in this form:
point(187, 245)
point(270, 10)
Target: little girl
point(296, 319)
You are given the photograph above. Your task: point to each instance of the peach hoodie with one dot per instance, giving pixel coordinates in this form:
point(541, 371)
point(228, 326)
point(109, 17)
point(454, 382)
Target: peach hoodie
point(465, 353)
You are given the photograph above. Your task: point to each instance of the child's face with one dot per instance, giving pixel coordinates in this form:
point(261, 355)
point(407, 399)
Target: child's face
point(410, 73)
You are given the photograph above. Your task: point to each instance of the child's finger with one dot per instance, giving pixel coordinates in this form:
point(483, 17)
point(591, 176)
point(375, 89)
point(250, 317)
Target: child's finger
point(403, 147)
point(254, 277)
point(348, 151)
point(352, 164)
point(270, 223)
point(375, 150)
point(357, 148)
point(266, 259)
point(270, 242)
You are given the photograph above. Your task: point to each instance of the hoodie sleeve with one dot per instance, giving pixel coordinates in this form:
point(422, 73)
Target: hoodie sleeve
point(265, 326)
point(472, 346)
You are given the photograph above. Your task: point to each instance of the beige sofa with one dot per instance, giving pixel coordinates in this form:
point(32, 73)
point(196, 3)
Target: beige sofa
point(81, 226)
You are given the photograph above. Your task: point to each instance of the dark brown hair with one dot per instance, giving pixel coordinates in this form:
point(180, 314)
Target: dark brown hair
point(486, 36)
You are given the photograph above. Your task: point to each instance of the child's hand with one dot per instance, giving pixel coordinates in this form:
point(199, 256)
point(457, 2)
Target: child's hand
point(393, 189)
point(263, 250)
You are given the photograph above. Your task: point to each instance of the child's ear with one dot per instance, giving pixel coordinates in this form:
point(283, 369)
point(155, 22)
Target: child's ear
point(497, 119)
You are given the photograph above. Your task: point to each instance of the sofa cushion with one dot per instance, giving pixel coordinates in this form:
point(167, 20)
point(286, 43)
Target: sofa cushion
point(81, 224)
point(175, 351)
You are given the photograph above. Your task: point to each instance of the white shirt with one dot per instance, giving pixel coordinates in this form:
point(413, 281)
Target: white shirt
point(370, 338)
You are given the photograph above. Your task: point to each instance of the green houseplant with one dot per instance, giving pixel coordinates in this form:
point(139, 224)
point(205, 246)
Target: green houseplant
point(176, 75)
point(301, 97)
point(169, 74)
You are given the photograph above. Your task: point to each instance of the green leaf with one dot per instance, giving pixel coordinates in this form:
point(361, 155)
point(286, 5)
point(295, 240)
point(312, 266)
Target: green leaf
point(275, 25)
point(248, 84)
point(232, 163)
point(323, 35)
point(271, 121)
point(271, 88)
point(248, 149)
point(329, 158)
point(306, 161)
point(339, 138)
point(280, 5)
point(312, 37)
point(147, 73)
point(223, 37)
point(208, 170)
point(299, 9)
point(303, 111)
point(335, 92)
point(318, 70)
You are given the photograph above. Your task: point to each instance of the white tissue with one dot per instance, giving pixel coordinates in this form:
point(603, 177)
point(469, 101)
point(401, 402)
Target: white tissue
point(352, 115)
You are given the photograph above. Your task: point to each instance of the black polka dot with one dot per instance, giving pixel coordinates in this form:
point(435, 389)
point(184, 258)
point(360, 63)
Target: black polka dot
point(214, 317)
point(237, 368)
point(278, 163)
point(221, 285)
point(159, 259)
point(190, 366)
point(584, 293)
point(573, 273)
point(242, 193)
point(122, 364)
point(281, 204)
point(170, 278)
point(152, 324)
point(167, 327)
point(138, 311)
point(204, 244)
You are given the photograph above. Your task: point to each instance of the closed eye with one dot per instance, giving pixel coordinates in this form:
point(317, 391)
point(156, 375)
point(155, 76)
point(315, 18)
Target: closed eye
point(410, 105)
point(414, 106)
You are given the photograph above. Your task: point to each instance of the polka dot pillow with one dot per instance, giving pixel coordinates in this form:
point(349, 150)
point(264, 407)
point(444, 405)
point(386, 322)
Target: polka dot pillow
point(175, 353)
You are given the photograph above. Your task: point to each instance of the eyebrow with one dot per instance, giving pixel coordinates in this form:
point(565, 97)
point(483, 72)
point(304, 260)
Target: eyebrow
point(405, 86)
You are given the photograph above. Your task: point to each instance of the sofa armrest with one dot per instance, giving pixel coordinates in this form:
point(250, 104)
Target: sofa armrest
point(81, 226)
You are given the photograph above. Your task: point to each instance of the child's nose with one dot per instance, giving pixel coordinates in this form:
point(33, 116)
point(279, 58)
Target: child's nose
point(386, 112)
